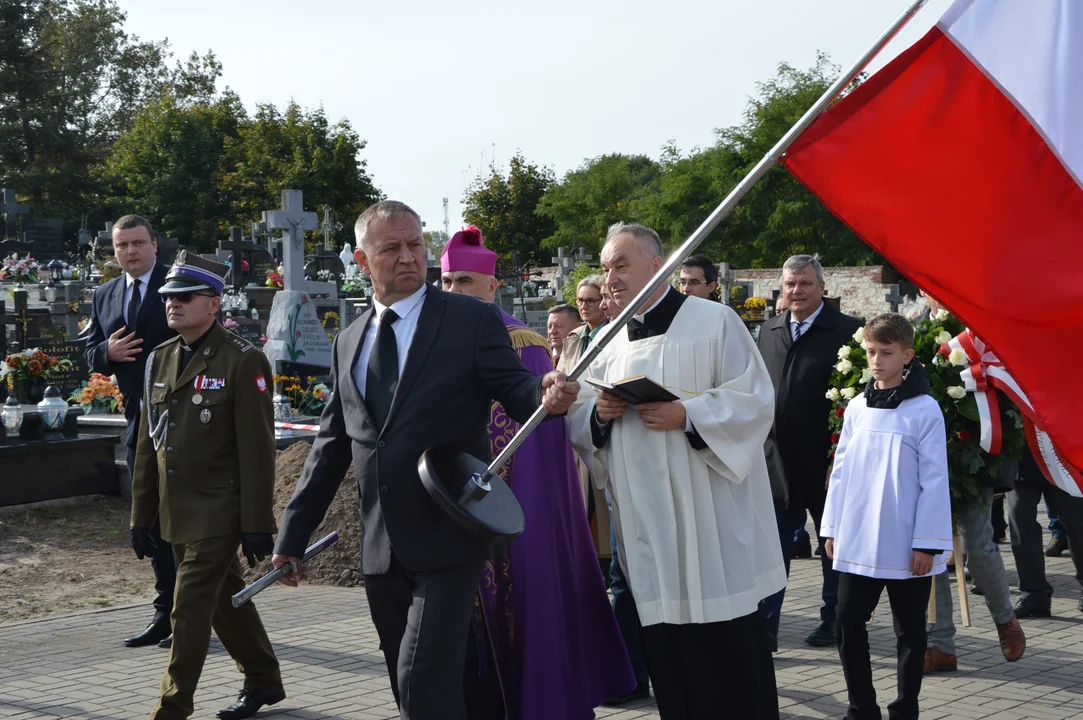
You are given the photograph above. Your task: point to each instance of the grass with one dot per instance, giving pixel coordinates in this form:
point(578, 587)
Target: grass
point(101, 602)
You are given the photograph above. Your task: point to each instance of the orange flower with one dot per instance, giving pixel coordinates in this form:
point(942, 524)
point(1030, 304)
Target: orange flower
point(53, 361)
point(39, 356)
point(35, 367)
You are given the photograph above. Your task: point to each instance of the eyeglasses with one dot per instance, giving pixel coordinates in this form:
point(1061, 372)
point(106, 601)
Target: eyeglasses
point(587, 302)
point(690, 282)
point(185, 297)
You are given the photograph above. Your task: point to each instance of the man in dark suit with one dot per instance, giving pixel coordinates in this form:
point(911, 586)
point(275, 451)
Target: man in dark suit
point(420, 370)
point(127, 322)
point(800, 348)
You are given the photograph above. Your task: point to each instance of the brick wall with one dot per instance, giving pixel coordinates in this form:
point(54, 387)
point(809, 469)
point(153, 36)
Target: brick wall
point(861, 289)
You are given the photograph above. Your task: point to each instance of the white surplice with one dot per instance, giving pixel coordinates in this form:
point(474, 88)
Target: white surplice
point(696, 529)
point(889, 491)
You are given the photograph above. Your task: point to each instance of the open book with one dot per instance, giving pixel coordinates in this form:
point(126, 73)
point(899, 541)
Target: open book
point(634, 390)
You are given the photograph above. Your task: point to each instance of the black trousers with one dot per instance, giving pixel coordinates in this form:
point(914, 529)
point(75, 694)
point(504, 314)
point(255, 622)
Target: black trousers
point(712, 670)
point(423, 620)
point(858, 597)
point(1027, 542)
point(163, 560)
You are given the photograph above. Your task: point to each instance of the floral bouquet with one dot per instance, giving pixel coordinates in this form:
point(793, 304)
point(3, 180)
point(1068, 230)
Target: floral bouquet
point(99, 395)
point(21, 270)
point(307, 401)
point(968, 463)
point(32, 363)
point(275, 279)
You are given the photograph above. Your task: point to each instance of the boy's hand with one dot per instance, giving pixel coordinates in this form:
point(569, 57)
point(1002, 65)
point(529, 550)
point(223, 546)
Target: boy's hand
point(920, 563)
point(829, 548)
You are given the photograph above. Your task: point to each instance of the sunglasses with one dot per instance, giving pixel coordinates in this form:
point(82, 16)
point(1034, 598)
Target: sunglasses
point(185, 297)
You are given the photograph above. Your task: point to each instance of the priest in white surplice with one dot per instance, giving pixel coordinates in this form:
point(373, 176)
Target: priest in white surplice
point(691, 497)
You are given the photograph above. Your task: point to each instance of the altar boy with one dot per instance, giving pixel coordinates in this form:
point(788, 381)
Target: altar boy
point(888, 515)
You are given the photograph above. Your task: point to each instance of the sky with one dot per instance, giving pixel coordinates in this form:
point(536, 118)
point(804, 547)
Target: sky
point(439, 90)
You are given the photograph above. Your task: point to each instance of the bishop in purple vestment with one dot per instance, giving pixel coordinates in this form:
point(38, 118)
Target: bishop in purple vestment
point(547, 635)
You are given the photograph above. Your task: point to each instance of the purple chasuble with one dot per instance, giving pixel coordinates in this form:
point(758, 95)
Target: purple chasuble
point(555, 640)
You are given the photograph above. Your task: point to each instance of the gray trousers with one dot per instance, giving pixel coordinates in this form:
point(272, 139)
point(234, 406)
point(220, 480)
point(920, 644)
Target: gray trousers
point(1027, 534)
point(987, 568)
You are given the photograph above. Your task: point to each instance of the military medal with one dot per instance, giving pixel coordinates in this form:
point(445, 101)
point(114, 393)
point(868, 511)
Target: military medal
point(198, 384)
point(205, 416)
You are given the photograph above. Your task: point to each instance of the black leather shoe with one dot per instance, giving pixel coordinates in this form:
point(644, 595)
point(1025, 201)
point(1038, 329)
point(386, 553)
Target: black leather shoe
point(154, 634)
point(1056, 546)
point(642, 692)
point(822, 636)
point(975, 590)
point(250, 701)
point(802, 550)
point(167, 643)
point(1032, 606)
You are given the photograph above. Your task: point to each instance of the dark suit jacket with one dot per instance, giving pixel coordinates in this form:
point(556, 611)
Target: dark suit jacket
point(459, 361)
point(107, 316)
point(800, 438)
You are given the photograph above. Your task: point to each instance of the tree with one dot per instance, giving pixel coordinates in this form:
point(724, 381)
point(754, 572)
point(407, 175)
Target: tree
point(579, 272)
point(296, 149)
point(779, 217)
point(587, 201)
point(71, 81)
point(504, 208)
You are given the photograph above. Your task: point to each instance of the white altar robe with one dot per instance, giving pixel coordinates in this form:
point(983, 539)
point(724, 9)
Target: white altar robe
point(889, 491)
point(696, 529)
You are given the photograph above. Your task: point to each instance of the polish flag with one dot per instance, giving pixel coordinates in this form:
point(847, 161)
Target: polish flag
point(961, 163)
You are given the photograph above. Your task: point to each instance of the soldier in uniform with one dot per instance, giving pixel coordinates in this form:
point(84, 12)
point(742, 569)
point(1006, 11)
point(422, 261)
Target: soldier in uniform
point(205, 469)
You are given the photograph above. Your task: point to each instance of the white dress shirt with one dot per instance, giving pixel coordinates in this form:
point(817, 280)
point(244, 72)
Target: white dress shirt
point(408, 310)
point(808, 321)
point(129, 282)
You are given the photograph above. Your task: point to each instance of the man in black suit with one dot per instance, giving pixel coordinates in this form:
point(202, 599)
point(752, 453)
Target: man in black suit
point(800, 348)
point(127, 322)
point(420, 370)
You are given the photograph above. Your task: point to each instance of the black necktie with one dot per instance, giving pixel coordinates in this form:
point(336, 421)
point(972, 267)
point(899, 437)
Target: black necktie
point(383, 372)
point(636, 330)
point(133, 306)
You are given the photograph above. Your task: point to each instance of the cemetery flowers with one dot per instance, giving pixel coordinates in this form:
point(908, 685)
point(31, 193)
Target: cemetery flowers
point(274, 279)
point(968, 464)
point(99, 395)
point(308, 400)
point(21, 270)
point(32, 363)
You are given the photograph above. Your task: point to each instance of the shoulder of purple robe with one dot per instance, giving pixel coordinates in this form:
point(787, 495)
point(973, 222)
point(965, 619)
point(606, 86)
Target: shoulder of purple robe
point(532, 348)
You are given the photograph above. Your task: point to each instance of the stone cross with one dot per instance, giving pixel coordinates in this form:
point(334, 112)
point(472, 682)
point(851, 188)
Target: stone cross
point(565, 264)
point(239, 250)
point(328, 227)
point(294, 220)
point(895, 298)
point(105, 238)
point(12, 211)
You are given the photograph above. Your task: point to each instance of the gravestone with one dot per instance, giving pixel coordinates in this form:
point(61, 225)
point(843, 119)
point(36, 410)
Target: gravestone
point(294, 332)
point(103, 244)
point(167, 249)
point(349, 309)
point(249, 329)
point(238, 252)
point(70, 380)
point(45, 236)
point(894, 298)
point(12, 210)
point(325, 260)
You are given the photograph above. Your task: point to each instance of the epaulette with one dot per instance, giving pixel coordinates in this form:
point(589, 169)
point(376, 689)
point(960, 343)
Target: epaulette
point(524, 337)
point(170, 341)
point(240, 343)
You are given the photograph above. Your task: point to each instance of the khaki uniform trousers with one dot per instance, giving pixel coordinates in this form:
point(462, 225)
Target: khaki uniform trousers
point(208, 576)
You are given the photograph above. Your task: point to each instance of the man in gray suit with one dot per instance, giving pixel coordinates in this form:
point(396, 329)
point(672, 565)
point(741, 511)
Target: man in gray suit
point(419, 370)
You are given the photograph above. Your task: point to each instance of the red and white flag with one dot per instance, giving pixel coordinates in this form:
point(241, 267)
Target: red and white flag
point(961, 163)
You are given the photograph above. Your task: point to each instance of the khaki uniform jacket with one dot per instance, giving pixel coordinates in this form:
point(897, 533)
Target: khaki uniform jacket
point(213, 473)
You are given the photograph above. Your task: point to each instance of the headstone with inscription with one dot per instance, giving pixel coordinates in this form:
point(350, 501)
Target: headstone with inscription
point(70, 380)
point(12, 210)
point(294, 332)
point(45, 236)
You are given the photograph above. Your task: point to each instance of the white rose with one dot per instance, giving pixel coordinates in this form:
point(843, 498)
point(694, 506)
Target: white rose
point(848, 393)
point(833, 395)
point(844, 352)
point(866, 375)
point(957, 357)
point(859, 336)
point(844, 366)
point(957, 391)
point(944, 337)
point(942, 315)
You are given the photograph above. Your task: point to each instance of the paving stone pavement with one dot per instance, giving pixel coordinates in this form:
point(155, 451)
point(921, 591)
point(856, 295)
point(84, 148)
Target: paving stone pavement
point(74, 666)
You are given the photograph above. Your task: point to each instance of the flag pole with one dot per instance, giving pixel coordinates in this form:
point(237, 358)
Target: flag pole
point(684, 251)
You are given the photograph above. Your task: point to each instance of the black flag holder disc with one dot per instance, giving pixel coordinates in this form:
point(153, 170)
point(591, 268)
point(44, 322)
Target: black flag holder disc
point(472, 492)
point(483, 504)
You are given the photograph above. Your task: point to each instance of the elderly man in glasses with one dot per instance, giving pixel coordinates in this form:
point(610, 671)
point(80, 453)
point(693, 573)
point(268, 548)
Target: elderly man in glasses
point(207, 405)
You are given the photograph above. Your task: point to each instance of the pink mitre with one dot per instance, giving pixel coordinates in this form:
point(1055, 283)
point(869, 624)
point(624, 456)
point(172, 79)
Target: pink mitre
point(464, 252)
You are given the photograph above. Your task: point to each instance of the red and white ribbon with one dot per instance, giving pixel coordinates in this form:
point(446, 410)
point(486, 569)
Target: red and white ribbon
point(295, 426)
point(983, 375)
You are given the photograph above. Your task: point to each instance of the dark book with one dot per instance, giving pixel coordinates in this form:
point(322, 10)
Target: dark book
point(634, 390)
